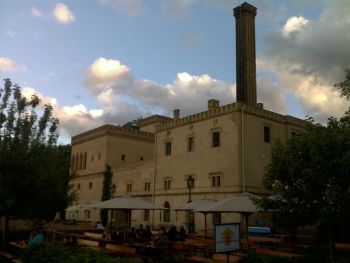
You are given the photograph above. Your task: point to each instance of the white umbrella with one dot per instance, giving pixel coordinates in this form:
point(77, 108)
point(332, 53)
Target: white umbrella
point(77, 207)
point(197, 204)
point(126, 202)
point(241, 203)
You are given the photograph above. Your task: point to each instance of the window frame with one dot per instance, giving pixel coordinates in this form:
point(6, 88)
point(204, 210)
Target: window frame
point(215, 139)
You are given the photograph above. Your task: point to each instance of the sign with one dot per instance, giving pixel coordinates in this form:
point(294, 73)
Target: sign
point(227, 238)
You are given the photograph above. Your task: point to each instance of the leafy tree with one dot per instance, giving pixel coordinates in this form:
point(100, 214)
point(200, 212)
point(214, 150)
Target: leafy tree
point(309, 176)
point(134, 124)
point(34, 171)
point(106, 192)
point(344, 86)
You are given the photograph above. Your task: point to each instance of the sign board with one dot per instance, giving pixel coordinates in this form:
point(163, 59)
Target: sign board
point(227, 238)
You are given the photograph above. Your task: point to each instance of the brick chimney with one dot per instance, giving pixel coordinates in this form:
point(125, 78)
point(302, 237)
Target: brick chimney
point(176, 114)
point(212, 104)
point(245, 53)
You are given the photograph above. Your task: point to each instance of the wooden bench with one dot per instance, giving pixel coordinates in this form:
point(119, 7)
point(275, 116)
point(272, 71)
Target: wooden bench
point(342, 246)
point(268, 252)
point(263, 242)
point(87, 243)
point(121, 250)
point(217, 258)
point(93, 235)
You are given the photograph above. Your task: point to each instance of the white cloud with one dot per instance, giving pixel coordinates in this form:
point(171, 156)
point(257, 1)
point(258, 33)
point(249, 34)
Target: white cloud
point(131, 7)
point(62, 14)
point(36, 12)
point(10, 33)
point(294, 24)
point(177, 8)
point(9, 65)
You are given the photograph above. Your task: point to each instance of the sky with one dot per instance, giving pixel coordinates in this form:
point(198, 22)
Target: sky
point(111, 61)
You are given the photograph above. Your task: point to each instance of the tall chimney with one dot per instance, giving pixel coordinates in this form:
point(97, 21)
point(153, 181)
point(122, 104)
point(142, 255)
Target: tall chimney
point(245, 53)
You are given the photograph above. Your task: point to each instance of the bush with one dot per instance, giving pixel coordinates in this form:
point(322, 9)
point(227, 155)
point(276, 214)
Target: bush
point(65, 254)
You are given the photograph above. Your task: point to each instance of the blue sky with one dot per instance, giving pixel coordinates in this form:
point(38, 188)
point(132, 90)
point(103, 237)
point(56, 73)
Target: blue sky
point(110, 61)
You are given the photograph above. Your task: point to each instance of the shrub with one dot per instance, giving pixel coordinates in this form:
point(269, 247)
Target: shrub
point(65, 254)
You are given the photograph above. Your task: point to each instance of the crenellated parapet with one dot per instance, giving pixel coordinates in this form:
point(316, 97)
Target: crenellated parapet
point(112, 131)
point(230, 108)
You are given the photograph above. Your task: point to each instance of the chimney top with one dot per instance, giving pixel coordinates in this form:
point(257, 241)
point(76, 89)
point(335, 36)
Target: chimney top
point(176, 114)
point(212, 104)
point(245, 7)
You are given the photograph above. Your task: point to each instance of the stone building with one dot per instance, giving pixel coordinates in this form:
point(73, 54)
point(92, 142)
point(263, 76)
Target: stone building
point(224, 149)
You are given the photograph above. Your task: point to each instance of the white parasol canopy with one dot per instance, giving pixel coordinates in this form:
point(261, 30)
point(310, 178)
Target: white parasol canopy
point(240, 203)
point(127, 203)
point(77, 207)
point(197, 204)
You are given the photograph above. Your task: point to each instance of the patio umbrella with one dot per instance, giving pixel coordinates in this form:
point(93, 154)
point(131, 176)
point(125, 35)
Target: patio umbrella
point(126, 203)
point(197, 204)
point(241, 203)
point(76, 208)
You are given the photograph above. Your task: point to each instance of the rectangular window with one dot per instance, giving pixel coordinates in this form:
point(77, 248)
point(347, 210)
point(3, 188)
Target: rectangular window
point(147, 186)
point(267, 134)
point(191, 144)
point(167, 184)
point(216, 139)
point(168, 148)
point(216, 181)
point(129, 188)
point(146, 215)
point(123, 157)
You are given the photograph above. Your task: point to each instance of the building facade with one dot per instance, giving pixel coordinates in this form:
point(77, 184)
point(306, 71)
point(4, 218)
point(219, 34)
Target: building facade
point(225, 149)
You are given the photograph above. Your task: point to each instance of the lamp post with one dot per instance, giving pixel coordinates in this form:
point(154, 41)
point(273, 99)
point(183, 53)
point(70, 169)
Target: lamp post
point(190, 185)
point(113, 187)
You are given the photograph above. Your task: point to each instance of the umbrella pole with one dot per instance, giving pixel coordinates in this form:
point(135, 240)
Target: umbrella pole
point(245, 215)
point(205, 225)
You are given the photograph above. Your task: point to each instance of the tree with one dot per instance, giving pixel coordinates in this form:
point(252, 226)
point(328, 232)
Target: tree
point(344, 86)
point(34, 171)
point(309, 177)
point(134, 124)
point(106, 192)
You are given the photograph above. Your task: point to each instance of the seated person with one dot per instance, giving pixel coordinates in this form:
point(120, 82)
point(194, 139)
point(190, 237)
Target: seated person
point(181, 236)
point(36, 238)
point(172, 233)
point(147, 234)
point(162, 240)
point(131, 236)
point(99, 225)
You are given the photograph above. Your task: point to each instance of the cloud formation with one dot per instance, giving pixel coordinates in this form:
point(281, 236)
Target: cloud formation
point(62, 14)
point(130, 7)
point(36, 12)
point(307, 58)
point(9, 65)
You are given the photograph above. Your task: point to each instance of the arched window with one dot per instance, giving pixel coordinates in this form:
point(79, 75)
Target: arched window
point(85, 159)
point(76, 162)
point(81, 161)
point(166, 212)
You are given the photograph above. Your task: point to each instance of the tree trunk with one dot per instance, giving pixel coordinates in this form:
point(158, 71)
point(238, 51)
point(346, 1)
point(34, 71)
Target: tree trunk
point(330, 241)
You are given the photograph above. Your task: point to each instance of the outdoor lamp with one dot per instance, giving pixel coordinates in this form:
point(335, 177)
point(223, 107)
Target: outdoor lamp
point(113, 187)
point(190, 185)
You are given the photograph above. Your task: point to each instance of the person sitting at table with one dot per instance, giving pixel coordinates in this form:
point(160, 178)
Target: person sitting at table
point(36, 238)
point(131, 236)
point(139, 233)
point(162, 239)
point(172, 233)
point(147, 234)
point(181, 235)
point(99, 225)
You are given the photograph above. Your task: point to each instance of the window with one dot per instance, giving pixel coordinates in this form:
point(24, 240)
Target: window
point(92, 158)
point(123, 157)
point(293, 134)
point(85, 159)
point(216, 139)
point(129, 188)
point(168, 148)
point(81, 161)
point(90, 185)
point(167, 212)
point(78, 186)
point(72, 163)
point(146, 215)
point(99, 156)
point(267, 134)
point(191, 144)
point(215, 181)
point(167, 184)
point(216, 218)
point(167, 132)
point(141, 158)
point(147, 186)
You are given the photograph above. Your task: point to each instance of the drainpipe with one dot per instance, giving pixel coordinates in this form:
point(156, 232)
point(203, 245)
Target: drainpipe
point(242, 149)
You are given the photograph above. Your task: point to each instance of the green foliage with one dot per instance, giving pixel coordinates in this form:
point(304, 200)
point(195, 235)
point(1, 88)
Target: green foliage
point(64, 254)
point(309, 175)
point(134, 124)
point(344, 86)
point(34, 171)
point(106, 192)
